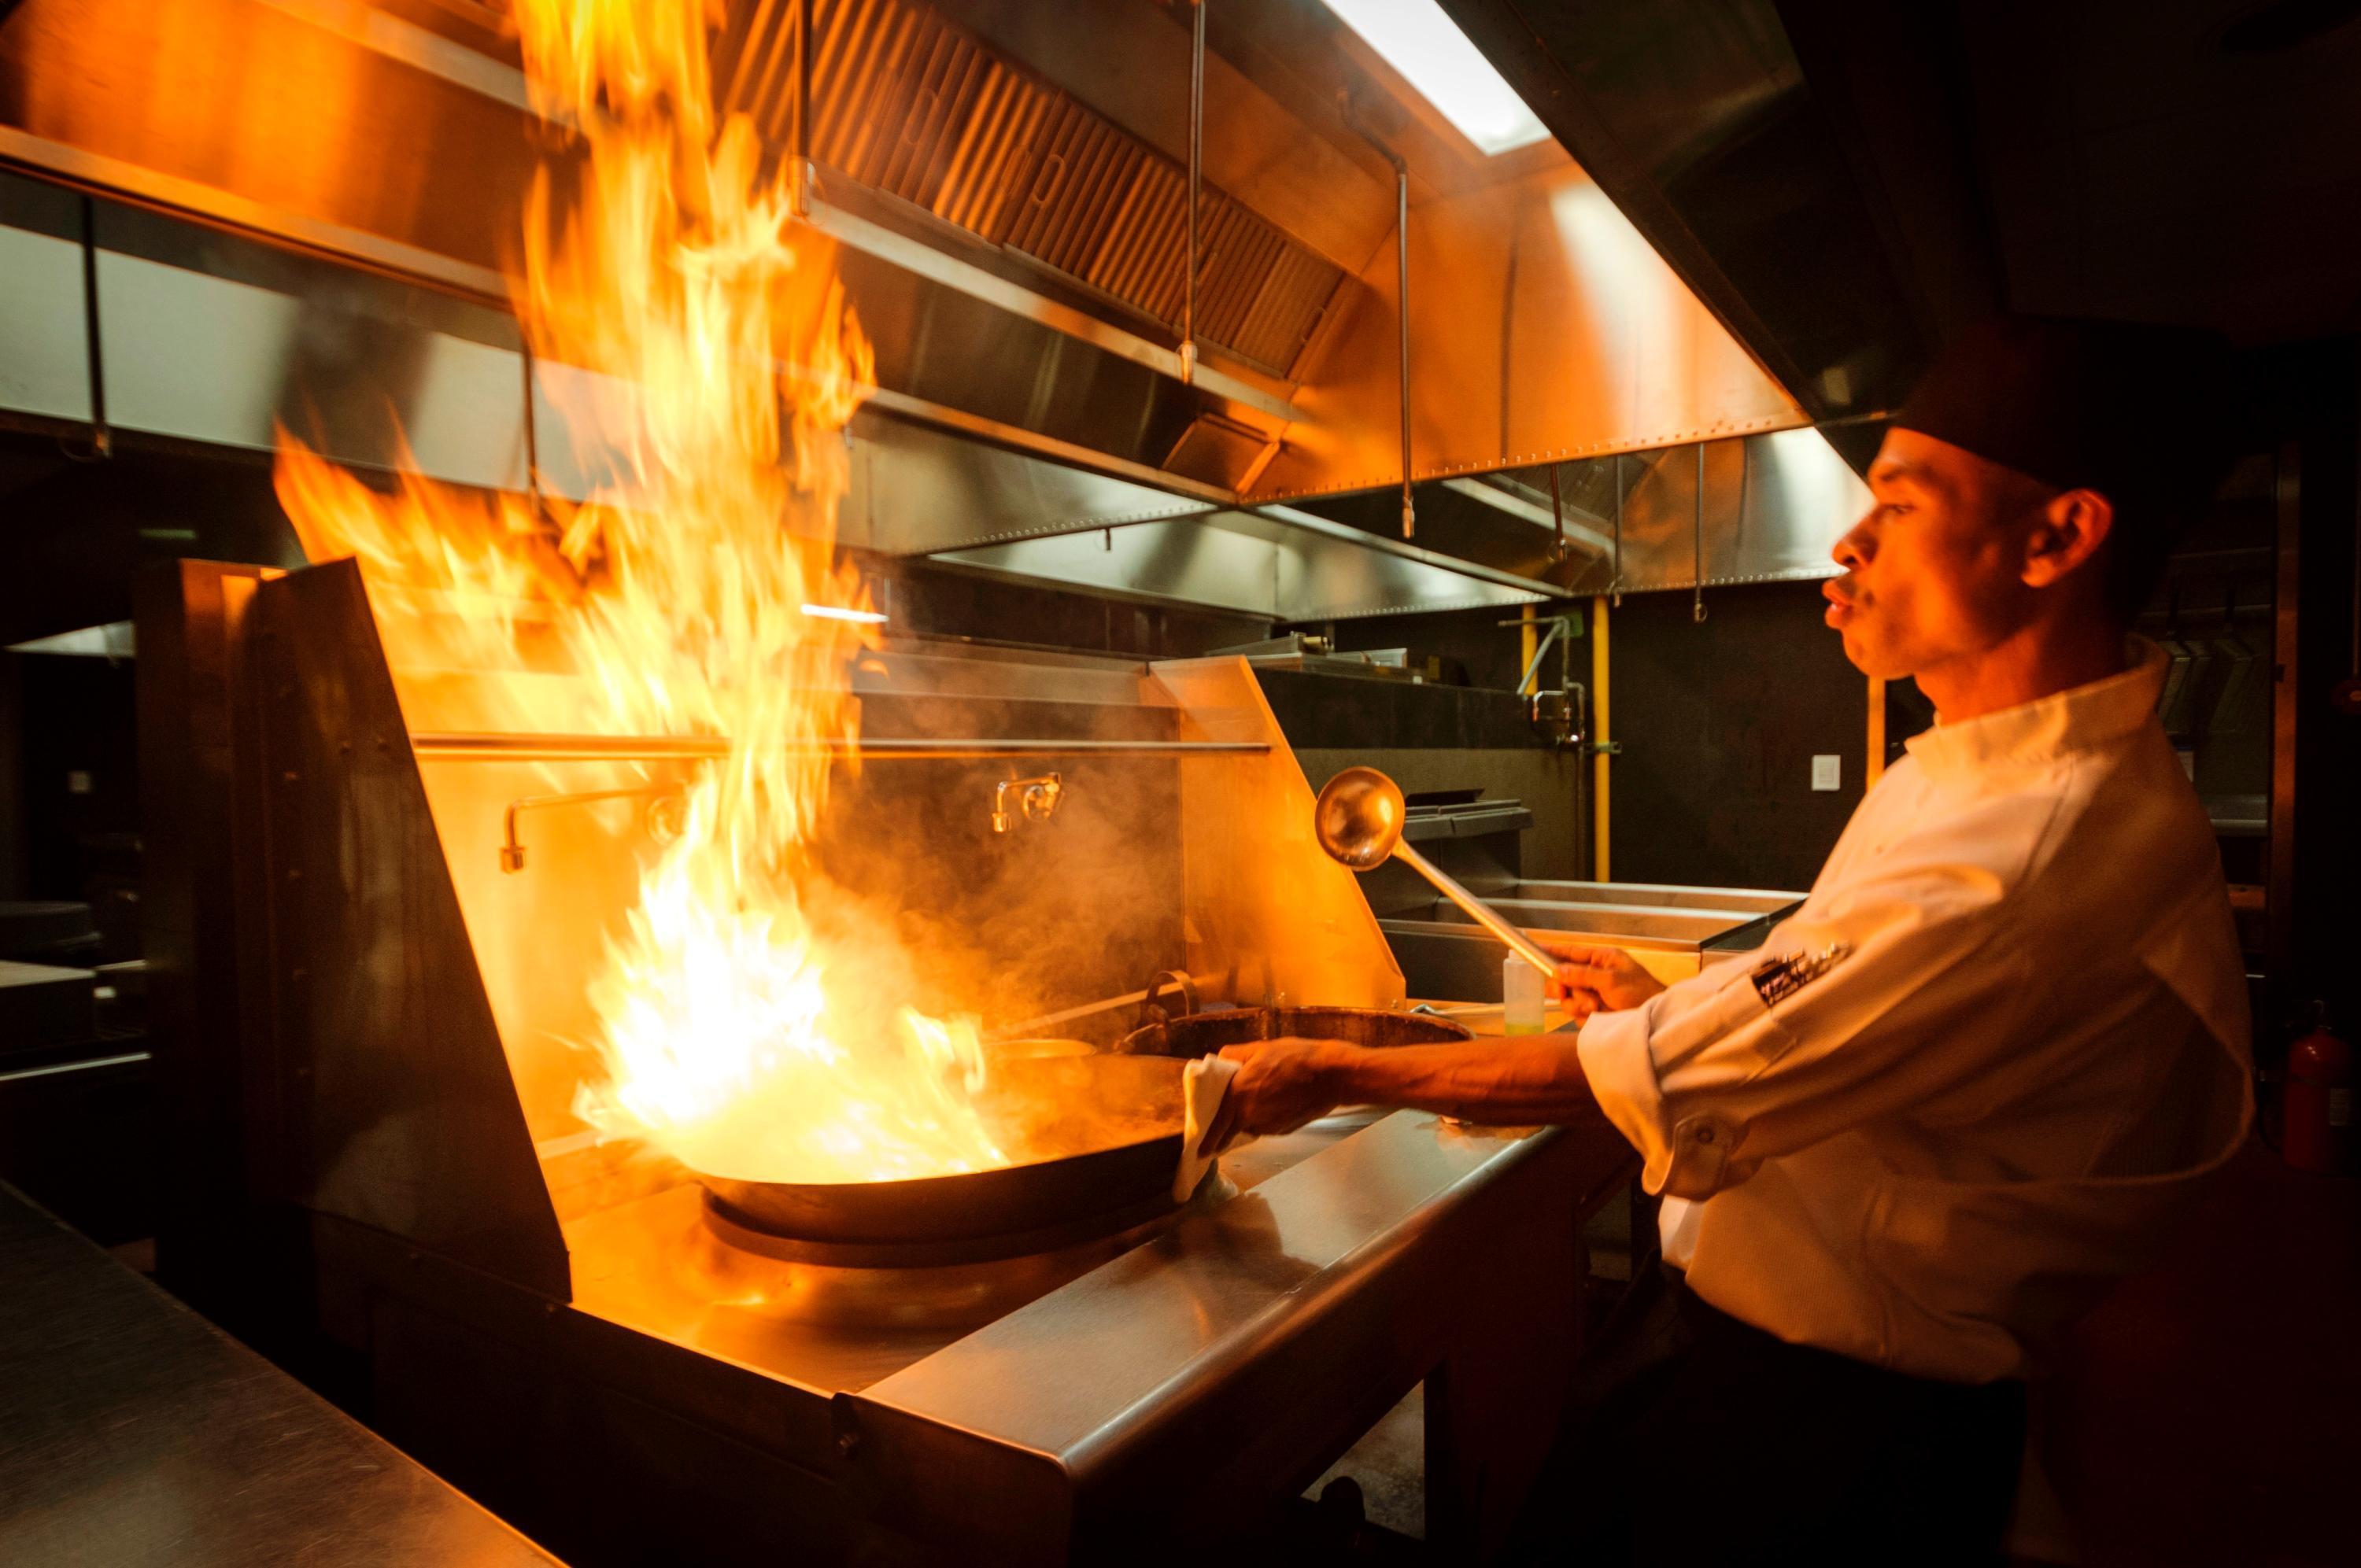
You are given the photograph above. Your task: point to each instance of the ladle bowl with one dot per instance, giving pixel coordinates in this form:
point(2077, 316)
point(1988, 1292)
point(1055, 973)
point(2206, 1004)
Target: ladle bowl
point(1358, 820)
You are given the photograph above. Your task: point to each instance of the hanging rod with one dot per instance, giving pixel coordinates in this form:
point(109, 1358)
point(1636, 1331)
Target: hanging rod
point(512, 747)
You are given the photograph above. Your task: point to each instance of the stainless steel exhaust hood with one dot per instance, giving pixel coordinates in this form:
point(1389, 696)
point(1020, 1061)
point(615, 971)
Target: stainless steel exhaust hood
point(202, 336)
point(1273, 562)
point(1007, 230)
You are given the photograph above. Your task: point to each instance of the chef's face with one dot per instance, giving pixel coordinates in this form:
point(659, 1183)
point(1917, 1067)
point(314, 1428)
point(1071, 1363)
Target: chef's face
point(1936, 571)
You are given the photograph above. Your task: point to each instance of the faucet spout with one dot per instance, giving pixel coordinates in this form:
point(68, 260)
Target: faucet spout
point(1031, 800)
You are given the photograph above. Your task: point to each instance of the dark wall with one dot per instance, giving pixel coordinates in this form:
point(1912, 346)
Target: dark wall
point(1464, 730)
point(2310, 395)
point(69, 789)
point(1719, 721)
point(79, 789)
point(74, 528)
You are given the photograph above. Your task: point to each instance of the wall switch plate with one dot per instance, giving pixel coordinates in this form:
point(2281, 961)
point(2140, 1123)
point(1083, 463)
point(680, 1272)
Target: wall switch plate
point(1826, 771)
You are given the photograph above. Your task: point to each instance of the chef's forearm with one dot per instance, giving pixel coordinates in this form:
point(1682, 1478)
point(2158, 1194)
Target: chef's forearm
point(1507, 1082)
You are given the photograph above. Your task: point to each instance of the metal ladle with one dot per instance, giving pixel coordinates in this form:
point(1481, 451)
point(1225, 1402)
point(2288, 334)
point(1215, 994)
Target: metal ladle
point(1358, 820)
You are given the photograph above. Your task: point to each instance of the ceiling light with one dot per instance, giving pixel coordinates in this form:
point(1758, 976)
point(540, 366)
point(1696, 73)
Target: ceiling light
point(1418, 40)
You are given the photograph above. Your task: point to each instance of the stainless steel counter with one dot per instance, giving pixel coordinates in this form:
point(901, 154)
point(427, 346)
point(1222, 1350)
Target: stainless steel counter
point(1181, 1385)
point(132, 1431)
point(652, 1266)
point(1187, 1381)
point(571, 1339)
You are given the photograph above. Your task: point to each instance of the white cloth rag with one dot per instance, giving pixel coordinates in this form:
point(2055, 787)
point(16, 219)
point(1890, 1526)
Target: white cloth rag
point(1202, 1084)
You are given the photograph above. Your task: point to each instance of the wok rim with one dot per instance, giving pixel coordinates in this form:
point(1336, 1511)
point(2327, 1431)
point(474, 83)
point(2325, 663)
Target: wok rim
point(1003, 1202)
point(1148, 1039)
point(740, 1230)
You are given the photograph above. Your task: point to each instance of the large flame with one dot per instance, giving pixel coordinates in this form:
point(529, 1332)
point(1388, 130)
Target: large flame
point(729, 1036)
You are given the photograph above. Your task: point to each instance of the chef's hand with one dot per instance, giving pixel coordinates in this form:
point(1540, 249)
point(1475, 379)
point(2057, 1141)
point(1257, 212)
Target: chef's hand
point(1597, 980)
point(1281, 1085)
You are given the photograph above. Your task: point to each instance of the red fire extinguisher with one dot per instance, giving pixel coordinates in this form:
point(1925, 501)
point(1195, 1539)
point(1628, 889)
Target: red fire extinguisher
point(2317, 1113)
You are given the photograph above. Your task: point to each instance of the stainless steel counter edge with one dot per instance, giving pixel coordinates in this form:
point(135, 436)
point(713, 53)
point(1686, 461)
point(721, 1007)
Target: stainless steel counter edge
point(132, 1430)
point(1072, 1381)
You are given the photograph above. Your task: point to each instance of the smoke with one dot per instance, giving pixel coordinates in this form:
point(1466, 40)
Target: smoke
point(1008, 926)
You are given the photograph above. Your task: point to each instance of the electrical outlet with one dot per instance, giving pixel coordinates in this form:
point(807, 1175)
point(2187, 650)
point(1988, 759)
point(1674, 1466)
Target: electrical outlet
point(1826, 772)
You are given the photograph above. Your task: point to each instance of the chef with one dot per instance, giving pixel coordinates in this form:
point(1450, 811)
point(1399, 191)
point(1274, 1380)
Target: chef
point(1965, 1086)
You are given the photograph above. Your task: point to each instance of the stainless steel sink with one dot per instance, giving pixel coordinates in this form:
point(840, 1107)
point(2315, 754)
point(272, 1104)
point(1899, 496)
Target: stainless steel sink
point(1750, 901)
point(1445, 956)
point(1698, 926)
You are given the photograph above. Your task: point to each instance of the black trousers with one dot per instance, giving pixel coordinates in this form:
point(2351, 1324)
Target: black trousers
point(1698, 1439)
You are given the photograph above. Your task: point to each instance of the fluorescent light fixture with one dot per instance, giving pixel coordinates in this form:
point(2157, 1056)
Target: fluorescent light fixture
point(113, 641)
point(837, 612)
point(1433, 55)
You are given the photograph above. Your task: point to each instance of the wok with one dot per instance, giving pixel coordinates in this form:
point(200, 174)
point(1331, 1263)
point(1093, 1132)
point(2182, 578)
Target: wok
point(1203, 1034)
point(1096, 1139)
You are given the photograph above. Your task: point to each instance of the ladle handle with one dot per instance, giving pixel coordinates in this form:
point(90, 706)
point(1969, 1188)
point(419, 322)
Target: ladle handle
point(1483, 914)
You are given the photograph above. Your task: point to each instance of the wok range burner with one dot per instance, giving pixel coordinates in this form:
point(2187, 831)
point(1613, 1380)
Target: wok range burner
point(1122, 1227)
point(1102, 1134)
point(939, 1286)
point(1202, 1034)
point(1098, 1138)
point(867, 1290)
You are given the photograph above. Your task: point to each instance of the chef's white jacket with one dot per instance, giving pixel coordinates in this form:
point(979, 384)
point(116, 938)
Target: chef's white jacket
point(1964, 1085)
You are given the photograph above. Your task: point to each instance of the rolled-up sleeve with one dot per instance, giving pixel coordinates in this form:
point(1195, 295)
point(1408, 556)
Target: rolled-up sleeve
point(1873, 998)
point(1618, 1052)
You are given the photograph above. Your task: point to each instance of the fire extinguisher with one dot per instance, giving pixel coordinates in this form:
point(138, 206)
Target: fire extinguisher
point(2317, 1111)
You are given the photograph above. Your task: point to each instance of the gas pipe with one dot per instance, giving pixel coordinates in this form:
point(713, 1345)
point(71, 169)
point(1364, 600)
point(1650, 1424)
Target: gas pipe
point(2317, 1132)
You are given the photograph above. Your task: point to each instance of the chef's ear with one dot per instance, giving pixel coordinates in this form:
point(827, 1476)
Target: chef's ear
point(2066, 532)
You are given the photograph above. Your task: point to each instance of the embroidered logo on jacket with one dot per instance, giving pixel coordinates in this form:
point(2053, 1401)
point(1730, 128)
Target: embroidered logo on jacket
point(1777, 979)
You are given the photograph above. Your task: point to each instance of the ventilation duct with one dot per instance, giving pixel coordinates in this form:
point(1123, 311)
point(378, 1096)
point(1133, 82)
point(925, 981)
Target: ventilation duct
point(914, 108)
